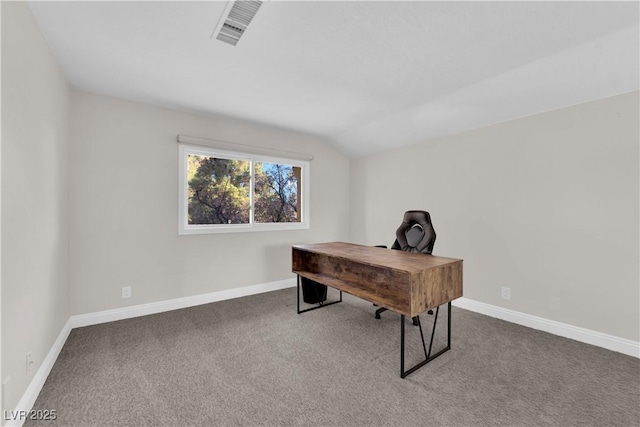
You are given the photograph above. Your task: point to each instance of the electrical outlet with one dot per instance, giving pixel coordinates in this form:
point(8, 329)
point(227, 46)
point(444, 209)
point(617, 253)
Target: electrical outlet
point(29, 363)
point(506, 293)
point(126, 292)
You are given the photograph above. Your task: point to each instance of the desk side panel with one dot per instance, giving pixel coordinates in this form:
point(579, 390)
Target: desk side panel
point(383, 286)
point(436, 286)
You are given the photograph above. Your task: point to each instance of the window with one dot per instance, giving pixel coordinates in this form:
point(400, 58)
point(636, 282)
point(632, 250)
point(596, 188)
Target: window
point(226, 191)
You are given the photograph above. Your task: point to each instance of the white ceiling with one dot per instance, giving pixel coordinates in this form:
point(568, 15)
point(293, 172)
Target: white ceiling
point(367, 76)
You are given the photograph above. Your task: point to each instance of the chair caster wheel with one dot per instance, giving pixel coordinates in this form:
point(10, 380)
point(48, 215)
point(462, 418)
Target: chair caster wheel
point(430, 312)
point(377, 316)
point(415, 321)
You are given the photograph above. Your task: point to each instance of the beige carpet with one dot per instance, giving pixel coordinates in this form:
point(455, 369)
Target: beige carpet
point(254, 361)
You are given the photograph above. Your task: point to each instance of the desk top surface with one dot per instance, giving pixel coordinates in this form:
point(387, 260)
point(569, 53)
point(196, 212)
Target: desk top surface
point(393, 259)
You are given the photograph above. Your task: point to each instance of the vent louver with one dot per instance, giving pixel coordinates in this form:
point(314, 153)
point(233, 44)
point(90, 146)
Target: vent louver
point(237, 21)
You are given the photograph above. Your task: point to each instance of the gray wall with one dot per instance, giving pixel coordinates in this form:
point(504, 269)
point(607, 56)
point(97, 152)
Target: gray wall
point(546, 205)
point(124, 207)
point(35, 102)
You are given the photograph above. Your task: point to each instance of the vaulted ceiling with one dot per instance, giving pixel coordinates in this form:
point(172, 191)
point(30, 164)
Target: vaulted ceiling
point(366, 75)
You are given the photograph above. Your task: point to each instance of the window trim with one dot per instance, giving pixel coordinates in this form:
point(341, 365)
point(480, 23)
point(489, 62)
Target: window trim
point(183, 204)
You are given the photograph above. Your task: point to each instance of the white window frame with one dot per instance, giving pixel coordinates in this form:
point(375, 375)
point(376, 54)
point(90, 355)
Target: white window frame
point(183, 193)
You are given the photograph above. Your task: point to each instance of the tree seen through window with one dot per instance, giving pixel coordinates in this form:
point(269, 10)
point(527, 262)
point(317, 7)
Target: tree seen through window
point(219, 191)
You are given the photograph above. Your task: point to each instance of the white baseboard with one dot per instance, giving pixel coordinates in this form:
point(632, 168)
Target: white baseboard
point(610, 342)
point(88, 319)
point(33, 390)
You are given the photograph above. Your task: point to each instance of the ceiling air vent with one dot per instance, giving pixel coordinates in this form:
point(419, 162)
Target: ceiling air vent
point(235, 23)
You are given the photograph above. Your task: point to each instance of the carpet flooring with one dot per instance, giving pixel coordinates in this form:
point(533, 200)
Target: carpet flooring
point(254, 361)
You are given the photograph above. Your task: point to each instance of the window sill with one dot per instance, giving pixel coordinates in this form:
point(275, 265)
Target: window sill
point(239, 228)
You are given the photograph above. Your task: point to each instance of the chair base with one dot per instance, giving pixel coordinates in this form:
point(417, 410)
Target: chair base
point(383, 309)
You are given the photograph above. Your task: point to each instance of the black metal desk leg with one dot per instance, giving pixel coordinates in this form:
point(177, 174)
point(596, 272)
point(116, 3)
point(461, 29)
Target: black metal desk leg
point(320, 303)
point(402, 346)
point(449, 325)
point(427, 354)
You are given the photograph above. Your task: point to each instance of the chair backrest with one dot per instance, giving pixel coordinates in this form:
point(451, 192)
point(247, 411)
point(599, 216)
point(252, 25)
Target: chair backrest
point(416, 233)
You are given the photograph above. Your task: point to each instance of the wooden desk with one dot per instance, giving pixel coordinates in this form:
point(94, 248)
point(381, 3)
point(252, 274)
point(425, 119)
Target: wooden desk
point(407, 283)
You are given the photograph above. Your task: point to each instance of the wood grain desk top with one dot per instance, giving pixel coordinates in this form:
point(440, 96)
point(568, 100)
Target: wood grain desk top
point(408, 283)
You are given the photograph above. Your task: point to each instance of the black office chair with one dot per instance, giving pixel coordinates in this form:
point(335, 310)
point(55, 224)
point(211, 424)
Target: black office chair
point(415, 234)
